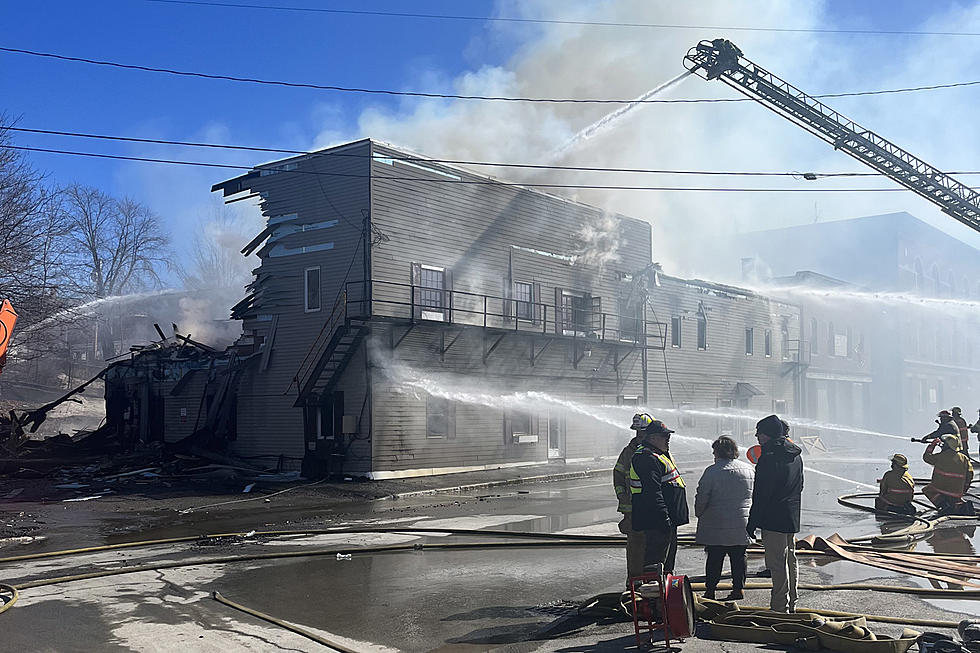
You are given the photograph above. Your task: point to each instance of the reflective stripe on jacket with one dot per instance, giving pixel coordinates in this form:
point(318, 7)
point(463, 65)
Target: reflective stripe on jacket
point(671, 474)
point(964, 430)
point(896, 487)
point(621, 483)
point(952, 472)
point(657, 491)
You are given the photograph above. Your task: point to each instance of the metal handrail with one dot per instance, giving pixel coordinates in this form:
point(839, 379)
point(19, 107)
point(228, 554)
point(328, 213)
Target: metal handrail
point(330, 325)
point(592, 325)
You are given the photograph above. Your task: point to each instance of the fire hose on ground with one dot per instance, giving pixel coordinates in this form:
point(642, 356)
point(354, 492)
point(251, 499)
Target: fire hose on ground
point(533, 540)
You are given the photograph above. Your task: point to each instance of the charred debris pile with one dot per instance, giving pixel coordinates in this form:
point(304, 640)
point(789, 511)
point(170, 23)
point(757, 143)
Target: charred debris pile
point(169, 414)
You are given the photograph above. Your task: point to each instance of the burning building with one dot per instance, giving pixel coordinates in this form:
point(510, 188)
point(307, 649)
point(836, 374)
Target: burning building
point(410, 317)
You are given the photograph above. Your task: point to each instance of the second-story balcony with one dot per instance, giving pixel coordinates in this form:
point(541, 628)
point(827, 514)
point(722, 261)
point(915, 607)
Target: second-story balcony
point(577, 316)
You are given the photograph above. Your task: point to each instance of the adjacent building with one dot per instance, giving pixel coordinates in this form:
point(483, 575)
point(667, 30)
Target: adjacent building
point(888, 282)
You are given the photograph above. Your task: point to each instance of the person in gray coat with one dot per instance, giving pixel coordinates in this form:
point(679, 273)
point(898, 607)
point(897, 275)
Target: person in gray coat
point(722, 503)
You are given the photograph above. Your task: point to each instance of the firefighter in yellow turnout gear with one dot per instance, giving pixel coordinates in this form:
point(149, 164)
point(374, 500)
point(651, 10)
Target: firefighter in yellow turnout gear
point(952, 474)
point(658, 497)
point(896, 488)
point(634, 539)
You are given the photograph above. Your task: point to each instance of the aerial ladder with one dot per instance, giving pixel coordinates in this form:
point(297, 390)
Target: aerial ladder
point(721, 59)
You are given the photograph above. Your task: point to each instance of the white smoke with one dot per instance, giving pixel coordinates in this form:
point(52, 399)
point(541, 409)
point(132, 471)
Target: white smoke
point(616, 62)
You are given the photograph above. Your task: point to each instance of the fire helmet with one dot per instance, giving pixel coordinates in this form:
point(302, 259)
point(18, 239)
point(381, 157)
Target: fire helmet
point(951, 441)
point(641, 421)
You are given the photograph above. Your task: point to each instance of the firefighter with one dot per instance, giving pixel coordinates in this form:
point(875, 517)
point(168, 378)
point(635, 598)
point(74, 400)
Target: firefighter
point(976, 428)
point(658, 497)
point(952, 474)
point(896, 488)
point(621, 483)
point(963, 428)
point(946, 426)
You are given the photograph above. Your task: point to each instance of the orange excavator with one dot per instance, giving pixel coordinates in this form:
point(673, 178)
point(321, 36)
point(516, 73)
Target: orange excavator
point(8, 318)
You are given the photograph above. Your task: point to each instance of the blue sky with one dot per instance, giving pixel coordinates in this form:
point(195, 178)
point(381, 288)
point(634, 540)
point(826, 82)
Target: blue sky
point(417, 54)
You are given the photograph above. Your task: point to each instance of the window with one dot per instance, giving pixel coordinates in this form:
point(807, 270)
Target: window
point(630, 319)
point(702, 332)
point(523, 298)
point(430, 286)
point(830, 339)
point(768, 343)
point(779, 406)
point(814, 337)
point(438, 422)
point(749, 341)
point(312, 291)
point(523, 427)
point(577, 312)
point(675, 331)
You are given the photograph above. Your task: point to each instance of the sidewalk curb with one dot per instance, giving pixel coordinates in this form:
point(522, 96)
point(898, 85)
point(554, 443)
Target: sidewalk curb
point(543, 478)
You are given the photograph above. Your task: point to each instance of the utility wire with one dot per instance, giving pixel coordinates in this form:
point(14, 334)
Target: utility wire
point(420, 159)
point(471, 182)
point(500, 98)
point(547, 21)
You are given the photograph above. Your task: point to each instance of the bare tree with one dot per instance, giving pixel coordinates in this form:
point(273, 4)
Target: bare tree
point(120, 244)
point(215, 260)
point(119, 247)
point(33, 261)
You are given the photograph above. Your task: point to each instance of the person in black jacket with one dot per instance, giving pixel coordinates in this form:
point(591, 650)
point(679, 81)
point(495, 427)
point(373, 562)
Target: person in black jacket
point(776, 499)
point(659, 498)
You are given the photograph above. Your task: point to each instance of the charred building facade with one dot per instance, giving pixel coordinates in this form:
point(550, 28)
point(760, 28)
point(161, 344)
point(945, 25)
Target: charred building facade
point(399, 298)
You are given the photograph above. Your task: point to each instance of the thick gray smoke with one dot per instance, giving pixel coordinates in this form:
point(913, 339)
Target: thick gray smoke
point(606, 62)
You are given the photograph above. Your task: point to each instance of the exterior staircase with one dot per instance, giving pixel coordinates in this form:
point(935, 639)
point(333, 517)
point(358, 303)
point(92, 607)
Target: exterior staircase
point(325, 373)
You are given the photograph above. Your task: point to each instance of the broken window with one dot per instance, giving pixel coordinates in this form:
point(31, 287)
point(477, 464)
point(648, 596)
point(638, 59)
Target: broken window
point(578, 313)
point(312, 291)
point(702, 332)
point(768, 344)
point(630, 320)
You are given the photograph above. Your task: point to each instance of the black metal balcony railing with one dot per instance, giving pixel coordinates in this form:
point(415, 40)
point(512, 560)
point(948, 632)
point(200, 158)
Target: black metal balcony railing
point(366, 299)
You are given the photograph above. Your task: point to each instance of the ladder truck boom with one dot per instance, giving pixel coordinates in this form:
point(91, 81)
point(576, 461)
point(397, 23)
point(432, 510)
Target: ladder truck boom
point(721, 59)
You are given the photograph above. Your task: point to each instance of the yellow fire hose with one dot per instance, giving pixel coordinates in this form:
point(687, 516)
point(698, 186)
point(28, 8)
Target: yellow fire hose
point(934, 592)
point(283, 624)
point(535, 540)
point(901, 621)
point(14, 595)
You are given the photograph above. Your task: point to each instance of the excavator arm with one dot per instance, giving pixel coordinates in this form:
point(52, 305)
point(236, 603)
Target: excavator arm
point(721, 59)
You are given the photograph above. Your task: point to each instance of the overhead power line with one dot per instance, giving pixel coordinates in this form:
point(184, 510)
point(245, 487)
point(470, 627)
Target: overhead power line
point(471, 182)
point(449, 96)
point(552, 21)
point(494, 164)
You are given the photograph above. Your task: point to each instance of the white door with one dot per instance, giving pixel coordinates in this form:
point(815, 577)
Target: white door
point(556, 437)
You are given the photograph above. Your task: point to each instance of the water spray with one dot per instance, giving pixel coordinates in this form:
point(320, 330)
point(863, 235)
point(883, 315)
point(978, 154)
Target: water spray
point(610, 119)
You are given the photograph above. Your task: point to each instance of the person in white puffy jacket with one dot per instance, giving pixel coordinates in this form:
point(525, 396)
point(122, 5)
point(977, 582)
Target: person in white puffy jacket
point(722, 503)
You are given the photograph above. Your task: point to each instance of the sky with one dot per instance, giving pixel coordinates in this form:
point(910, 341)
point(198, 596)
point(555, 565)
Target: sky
point(498, 58)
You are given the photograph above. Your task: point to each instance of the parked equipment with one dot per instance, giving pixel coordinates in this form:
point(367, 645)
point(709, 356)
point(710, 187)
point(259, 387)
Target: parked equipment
point(662, 602)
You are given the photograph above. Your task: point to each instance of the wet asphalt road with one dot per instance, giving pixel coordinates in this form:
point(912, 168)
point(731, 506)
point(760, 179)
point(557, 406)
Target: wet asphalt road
point(470, 600)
